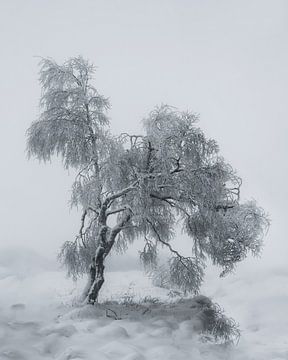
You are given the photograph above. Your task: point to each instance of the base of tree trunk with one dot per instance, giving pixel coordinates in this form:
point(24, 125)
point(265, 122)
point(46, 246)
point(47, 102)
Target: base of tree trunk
point(94, 290)
point(96, 276)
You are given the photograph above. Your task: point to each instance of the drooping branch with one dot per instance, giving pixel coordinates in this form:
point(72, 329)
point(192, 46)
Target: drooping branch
point(185, 272)
point(149, 254)
point(179, 256)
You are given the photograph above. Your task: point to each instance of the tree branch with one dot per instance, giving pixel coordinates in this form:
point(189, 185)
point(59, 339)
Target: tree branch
point(149, 155)
point(116, 229)
point(112, 212)
point(170, 201)
point(180, 257)
point(82, 227)
point(110, 198)
point(83, 234)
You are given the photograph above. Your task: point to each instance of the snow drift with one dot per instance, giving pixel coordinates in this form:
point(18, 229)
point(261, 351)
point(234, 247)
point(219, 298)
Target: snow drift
point(38, 321)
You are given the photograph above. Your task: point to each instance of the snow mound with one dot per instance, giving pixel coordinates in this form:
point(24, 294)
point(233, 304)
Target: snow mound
point(38, 321)
point(198, 315)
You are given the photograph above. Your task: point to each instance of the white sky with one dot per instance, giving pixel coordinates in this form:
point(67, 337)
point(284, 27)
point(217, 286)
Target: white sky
point(226, 60)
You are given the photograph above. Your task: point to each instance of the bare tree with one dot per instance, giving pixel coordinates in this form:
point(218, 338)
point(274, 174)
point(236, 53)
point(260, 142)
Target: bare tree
point(131, 186)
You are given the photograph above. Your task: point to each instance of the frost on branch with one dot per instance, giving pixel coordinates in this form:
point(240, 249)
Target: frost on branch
point(228, 235)
point(73, 113)
point(185, 274)
point(131, 186)
point(149, 255)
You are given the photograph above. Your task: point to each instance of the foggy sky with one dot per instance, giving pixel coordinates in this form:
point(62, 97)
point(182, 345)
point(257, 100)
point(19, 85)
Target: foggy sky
point(226, 60)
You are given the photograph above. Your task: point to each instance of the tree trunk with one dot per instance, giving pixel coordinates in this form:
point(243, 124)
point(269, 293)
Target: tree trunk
point(96, 275)
point(97, 267)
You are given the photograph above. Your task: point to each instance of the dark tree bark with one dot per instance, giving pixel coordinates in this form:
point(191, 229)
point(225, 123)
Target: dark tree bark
point(106, 240)
point(97, 275)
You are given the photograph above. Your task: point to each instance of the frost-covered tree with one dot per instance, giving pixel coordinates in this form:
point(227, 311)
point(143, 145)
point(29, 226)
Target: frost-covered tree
point(141, 186)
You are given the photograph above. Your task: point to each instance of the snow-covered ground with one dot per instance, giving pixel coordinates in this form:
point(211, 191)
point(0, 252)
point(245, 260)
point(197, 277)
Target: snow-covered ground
point(38, 321)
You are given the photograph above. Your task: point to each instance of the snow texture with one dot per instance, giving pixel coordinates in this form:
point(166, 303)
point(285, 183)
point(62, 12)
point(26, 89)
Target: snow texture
point(38, 321)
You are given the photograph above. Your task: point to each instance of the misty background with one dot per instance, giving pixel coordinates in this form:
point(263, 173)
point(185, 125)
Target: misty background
point(226, 60)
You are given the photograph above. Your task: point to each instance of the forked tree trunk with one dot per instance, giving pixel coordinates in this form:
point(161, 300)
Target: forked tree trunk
point(97, 267)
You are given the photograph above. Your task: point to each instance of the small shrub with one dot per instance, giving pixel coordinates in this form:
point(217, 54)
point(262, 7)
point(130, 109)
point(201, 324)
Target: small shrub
point(150, 300)
point(216, 325)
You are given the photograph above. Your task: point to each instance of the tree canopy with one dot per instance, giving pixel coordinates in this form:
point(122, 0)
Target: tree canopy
point(142, 185)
